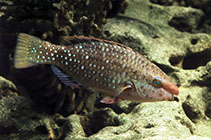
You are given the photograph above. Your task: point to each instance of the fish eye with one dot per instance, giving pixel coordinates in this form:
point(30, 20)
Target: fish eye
point(157, 82)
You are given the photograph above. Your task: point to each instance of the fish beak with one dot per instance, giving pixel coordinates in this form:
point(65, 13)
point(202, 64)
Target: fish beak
point(171, 88)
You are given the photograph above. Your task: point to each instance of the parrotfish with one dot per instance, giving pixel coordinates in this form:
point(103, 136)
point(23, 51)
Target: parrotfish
point(109, 67)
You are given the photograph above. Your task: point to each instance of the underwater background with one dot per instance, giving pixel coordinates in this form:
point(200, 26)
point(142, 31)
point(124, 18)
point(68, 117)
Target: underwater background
point(173, 34)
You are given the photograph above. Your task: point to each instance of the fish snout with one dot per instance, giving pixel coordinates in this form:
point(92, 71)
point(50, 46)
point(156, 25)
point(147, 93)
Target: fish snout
point(171, 88)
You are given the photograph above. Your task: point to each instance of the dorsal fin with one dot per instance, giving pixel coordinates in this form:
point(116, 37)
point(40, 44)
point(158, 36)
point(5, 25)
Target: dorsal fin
point(73, 40)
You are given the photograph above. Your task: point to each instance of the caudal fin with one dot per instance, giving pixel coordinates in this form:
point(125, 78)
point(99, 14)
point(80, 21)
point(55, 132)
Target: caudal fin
point(26, 51)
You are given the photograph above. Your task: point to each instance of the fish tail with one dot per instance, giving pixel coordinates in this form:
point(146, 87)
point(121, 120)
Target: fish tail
point(27, 49)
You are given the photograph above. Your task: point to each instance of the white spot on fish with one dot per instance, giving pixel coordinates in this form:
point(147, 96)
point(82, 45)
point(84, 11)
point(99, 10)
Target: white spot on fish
point(40, 46)
point(69, 54)
point(65, 58)
point(43, 57)
point(123, 65)
point(46, 53)
point(87, 57)
point(102, 67)
point(103, 48)
point(62, 48)
point(62, 56)
point(107, 49)
point(107, 61)
point(49, 58)
point(139, 84)
point(80, 47)
point(55, 51)
point(38, 57)
point(52, 54)
point(50, 49)
point(65, 51)
point(66, 63)
point(70, 59)
point(53, 58)
point(82, 67)
point(49, 45)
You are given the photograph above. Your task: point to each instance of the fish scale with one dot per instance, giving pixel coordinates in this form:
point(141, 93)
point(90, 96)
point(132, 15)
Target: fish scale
point(102, 65)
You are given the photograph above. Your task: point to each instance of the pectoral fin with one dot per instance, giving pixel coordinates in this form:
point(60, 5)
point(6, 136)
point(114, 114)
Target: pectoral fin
point(110, 100)
point(115, 99)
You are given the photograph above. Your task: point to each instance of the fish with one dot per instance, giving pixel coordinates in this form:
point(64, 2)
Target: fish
point(114, 69)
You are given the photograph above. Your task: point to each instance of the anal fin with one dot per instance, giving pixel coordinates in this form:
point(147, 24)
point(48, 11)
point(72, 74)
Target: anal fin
point(66, 79)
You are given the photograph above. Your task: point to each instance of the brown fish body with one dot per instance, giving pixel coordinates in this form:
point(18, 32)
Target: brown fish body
point(106, 66)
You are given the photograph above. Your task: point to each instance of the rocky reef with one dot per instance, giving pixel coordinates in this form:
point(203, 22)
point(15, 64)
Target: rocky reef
point(176, 36)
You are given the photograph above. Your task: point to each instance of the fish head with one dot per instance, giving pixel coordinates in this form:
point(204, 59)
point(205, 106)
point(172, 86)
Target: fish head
point(155, 88)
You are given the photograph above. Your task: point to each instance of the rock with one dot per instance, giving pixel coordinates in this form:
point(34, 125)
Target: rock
point(7, 88)
point(20, 120)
